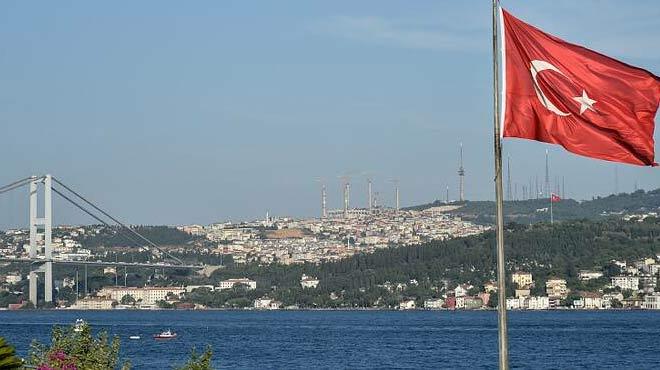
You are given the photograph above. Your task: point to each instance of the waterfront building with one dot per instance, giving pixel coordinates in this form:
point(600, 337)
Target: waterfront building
point(267, 304)
point(472, 303)
point(93, 303)
point(408, 304)
point(145, 296)
point(434, 303)
point(652, 301)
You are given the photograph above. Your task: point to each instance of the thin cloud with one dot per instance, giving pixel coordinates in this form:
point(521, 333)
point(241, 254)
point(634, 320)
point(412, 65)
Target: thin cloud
point(382, 31)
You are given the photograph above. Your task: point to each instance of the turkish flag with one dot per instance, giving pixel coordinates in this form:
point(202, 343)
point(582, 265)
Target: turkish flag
point(554, 198)
point(565, 94)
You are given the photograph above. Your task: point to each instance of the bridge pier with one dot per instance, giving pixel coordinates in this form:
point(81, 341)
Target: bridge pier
point(33, 287)
point(47, 223)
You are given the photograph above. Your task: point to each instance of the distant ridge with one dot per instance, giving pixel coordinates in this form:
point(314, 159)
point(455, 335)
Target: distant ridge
point(533, 210)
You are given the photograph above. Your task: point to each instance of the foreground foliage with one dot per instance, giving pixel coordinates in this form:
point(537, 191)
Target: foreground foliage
point(8, 359)
point(81, 350)
point(72, 350)
point(199, 362)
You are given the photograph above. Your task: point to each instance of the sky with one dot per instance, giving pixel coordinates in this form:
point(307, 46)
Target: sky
point(167, 112)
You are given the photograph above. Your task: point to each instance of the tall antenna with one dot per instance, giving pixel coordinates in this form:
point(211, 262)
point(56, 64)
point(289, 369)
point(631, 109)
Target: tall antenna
point(461, 176)
point(563, 187)
point(447, 198)
point(508, 176)
point(547, 176)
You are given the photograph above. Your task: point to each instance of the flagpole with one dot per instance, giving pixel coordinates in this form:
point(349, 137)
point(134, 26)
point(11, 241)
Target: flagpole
point(501, 275)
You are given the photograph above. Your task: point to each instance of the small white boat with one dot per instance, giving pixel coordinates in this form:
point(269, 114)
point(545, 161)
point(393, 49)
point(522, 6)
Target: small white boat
point(78, 326)
point(134, 337)
point(167, 334)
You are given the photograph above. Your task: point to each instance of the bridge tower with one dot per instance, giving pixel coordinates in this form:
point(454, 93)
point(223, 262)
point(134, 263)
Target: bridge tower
point(46, 224)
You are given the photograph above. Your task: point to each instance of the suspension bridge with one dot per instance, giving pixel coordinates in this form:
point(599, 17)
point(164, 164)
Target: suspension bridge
point(41, 260)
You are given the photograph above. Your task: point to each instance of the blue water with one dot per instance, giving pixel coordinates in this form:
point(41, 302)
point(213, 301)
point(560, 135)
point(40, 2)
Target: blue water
point(366, 339)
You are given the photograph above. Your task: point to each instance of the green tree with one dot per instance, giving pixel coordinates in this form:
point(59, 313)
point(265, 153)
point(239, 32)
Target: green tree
point(127, 300)
point(198, 362)
point(77, 349)
point(8, 359)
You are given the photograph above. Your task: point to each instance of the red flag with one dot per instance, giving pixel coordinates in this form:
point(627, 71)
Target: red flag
point(554, 198)
point(565, 94)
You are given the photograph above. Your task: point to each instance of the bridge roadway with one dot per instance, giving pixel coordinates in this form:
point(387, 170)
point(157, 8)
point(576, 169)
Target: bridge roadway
point(100, 263)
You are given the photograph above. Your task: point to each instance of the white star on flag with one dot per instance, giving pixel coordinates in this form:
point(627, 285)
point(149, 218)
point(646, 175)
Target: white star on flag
point(585, 102)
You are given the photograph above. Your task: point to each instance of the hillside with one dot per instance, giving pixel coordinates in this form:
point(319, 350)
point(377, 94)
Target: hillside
point(530, 211)
point(560, 251)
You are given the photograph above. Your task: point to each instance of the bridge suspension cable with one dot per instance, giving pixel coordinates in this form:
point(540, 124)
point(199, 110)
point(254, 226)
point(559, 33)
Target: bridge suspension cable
point(138, 235)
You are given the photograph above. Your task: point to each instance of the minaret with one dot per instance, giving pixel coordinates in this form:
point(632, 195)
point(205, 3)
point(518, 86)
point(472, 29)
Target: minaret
point(461, 176)
point(324, 210)
point(547, 176)
point(508, 178)
point(396, 190)
point(370, 199)
point(347, 190)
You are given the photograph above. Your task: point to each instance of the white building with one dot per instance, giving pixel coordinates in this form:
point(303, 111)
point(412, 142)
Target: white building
point(230, 283)
point(267, 304)
point(589, 275)
point(13, 278)
point(652, 301)
point(408, 304)
point(523, 279)
point(434, 303)
point(626, 282)
point(93, 303)
point(309, 282)
point(538, 303)
point(556, 288)
point(146, 295)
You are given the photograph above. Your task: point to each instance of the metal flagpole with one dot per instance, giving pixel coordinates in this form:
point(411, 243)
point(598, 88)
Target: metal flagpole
point(501, 276)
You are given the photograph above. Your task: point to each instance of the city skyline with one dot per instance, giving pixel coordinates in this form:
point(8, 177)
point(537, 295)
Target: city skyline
point(175, 118)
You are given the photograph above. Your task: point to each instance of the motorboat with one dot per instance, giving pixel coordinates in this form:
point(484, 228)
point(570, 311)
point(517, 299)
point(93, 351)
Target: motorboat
point(134, 337)
point(78, 326)
point(167, 334)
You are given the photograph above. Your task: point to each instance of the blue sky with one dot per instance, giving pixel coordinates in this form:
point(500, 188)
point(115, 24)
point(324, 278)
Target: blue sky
point(167, 112)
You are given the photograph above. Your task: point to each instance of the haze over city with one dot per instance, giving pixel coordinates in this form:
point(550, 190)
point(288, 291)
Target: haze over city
point(216, 111)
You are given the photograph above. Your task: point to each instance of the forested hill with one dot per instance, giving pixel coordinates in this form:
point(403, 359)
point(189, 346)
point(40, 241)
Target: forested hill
point(558, 250)
point(526, 211)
